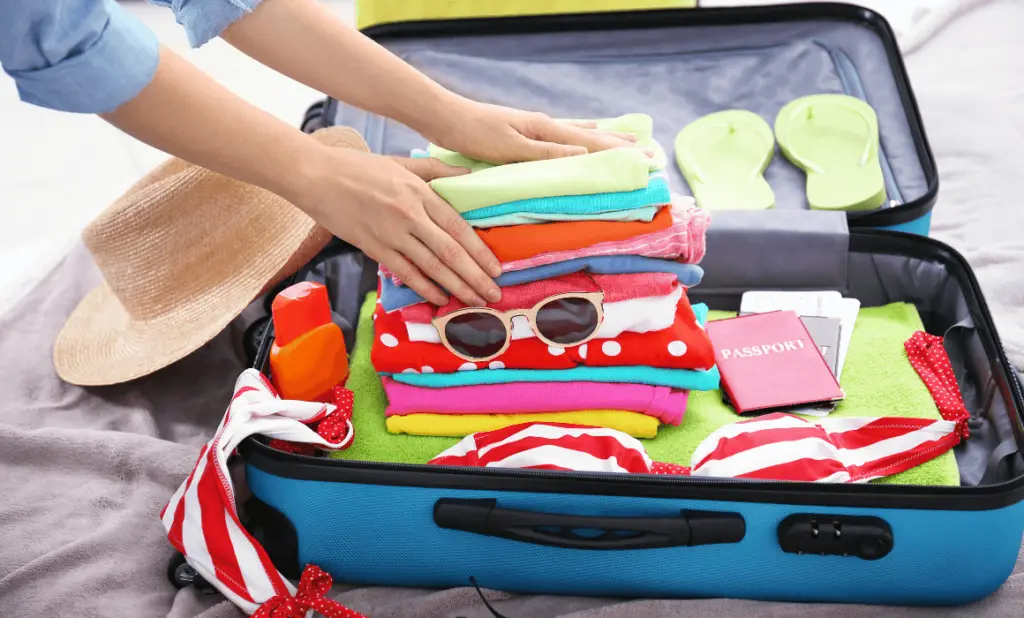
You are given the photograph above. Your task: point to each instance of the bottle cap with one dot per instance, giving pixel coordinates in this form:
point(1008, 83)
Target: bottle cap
point(299, 309)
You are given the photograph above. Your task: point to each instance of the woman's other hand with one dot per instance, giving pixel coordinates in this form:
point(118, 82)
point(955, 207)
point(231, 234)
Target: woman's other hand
point(498, 134)
point(384, 206)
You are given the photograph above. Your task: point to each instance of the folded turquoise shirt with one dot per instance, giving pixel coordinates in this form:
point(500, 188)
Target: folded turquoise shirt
point(610, 171)
point(654, 194)
point(655, 376)
point(524, 218)
point(397, 296)
point(639, 125)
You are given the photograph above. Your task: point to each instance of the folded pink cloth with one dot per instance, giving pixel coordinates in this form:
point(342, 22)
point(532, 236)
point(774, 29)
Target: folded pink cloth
point(615, 287)
point(684, 241)
point(666, 404)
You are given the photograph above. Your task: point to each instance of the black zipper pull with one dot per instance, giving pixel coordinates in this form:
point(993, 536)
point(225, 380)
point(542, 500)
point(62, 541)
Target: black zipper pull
point(493, 611)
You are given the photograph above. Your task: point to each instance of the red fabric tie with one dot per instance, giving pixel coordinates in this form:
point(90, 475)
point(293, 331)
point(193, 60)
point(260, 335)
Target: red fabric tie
point(333, 428)
point(669, 469)
point(928, 357)
point(314, 584)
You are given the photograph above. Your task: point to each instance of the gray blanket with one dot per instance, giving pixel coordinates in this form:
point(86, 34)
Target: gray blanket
point(84, 473)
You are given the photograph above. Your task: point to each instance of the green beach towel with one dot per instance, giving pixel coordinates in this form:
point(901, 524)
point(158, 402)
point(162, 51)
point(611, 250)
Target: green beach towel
point(372, 441)
point(877, 378)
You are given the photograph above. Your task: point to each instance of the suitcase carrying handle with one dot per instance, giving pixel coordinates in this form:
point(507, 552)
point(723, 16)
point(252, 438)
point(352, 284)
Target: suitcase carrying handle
point(687, 529)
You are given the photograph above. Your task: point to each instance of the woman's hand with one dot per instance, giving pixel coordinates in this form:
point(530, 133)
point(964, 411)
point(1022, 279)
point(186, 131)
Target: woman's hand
point(384, 206)
point(504, 135)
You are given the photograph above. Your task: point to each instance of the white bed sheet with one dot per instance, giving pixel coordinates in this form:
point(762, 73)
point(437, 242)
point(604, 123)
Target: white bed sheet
point(969, 84)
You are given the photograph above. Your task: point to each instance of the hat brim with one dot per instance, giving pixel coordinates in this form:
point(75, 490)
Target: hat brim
point(103, 344)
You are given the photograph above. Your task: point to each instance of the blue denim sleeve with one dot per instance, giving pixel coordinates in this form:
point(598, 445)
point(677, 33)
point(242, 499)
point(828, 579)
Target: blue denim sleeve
point(206, 19)
point(86, 56)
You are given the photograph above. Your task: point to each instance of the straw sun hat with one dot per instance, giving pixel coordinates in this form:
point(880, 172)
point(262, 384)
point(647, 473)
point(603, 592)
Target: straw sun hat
point(182, 253)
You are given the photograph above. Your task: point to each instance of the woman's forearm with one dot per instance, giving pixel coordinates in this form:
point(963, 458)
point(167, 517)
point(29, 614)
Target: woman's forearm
point(185, 113)
point(379, 204)
point(307, 42)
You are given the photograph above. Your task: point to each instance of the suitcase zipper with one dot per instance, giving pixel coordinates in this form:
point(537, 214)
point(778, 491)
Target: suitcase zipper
point(897, 243)
point(890, 239)
point(853, 86)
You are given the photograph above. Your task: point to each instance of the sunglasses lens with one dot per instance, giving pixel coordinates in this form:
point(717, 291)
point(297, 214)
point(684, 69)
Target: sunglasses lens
point(475, 335)
point(567, 320)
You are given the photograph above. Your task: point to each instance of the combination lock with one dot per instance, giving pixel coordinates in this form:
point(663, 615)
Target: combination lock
point(868, 538)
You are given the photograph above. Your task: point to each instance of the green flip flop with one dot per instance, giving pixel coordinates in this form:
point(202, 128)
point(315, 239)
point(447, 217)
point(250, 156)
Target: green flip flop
point(834, 139)
point(723, 157)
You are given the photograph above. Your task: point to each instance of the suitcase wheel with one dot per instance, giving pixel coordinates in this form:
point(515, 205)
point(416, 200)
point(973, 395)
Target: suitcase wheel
point(182, 575)
point(253, 338)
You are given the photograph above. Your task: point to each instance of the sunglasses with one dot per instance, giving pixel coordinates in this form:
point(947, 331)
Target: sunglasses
point(561, 320)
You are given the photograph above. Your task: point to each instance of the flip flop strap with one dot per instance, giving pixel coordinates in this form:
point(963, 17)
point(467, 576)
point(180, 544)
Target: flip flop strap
point(696, 172)
point(806, 163)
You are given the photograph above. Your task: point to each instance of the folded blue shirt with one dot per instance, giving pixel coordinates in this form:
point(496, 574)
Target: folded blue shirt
point(637, 374)
point(397, 296)
point(656, 193)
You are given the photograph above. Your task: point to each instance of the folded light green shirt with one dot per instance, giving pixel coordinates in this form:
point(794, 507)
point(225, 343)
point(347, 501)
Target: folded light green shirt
point(639, 125)
point(612, 171)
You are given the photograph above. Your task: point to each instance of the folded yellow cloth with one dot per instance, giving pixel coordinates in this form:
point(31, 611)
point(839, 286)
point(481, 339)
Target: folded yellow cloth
point(458, 425)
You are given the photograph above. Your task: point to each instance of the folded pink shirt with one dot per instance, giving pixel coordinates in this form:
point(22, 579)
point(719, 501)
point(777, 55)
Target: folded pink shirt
point(615, 287)
point(684, 241)
point(666, 404)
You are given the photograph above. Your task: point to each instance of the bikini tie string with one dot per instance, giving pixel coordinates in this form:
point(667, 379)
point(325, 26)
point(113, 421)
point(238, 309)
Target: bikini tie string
point(313, 585)
point(927, 355)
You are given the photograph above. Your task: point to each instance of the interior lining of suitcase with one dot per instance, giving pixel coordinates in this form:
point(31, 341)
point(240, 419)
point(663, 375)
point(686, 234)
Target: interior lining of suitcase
point(740, 258)
point(675, 74)
point(745, 252)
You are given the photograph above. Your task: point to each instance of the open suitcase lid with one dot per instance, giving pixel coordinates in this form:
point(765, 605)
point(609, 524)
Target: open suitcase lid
point(677, 66)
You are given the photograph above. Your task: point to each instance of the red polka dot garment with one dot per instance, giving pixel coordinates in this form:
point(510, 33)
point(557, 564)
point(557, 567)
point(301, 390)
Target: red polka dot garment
point(928, 357)
point(684, 345)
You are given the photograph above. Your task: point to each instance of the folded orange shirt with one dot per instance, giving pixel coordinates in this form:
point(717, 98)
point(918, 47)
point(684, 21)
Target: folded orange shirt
point(518, 242)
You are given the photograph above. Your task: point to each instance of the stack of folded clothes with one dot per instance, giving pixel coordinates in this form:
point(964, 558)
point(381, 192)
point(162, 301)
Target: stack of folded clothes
point(594, 326)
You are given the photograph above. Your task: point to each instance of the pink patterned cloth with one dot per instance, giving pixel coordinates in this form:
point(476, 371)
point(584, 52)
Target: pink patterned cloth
point(616, 288)
point(684, 241)
point(664, 403)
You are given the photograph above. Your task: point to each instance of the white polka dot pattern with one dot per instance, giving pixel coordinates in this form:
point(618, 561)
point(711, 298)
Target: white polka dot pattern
point(467, 367)
point(389, 340)
point(611, 348)
point(554, 350)
point(496, 365)
point(677, 348)
point(927, 355)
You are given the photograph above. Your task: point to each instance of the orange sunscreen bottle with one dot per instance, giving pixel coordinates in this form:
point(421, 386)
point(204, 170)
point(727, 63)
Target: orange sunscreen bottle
point(308, 357)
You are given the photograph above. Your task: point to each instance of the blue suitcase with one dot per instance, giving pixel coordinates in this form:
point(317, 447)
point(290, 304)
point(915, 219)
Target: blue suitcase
point(652, 536)
point(655, 536)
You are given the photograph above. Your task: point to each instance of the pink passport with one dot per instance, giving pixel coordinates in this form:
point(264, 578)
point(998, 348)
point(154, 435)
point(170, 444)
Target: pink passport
point(768, 361)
